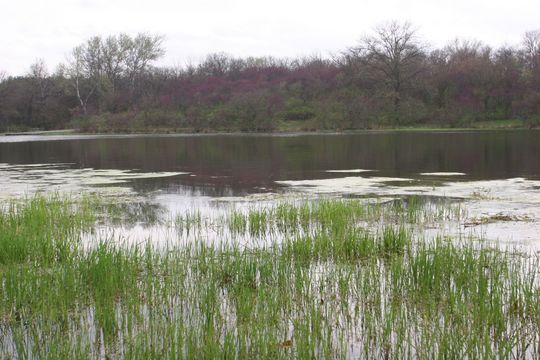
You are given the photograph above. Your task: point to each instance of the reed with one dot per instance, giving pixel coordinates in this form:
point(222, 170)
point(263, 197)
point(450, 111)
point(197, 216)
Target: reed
point(328, 287)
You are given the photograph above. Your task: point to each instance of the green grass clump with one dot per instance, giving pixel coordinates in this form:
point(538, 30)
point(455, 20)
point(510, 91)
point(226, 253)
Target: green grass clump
point(42, 229)
point(348, 244)
point(327, 288)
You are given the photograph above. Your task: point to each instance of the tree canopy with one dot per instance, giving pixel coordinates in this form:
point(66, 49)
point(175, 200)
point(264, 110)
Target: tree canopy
point(391, 77)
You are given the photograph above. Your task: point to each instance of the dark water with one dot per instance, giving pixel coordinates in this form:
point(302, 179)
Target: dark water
point(240, 164)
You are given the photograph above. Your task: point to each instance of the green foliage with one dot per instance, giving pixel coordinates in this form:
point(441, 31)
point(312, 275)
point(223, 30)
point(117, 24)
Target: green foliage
point(42, 229)
point(296, 109)
point(329, 288)
point(457, 86)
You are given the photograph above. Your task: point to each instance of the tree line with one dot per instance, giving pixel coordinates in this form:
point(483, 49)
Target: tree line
point(390, 78)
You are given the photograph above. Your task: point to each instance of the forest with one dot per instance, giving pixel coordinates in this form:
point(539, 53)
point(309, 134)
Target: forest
point(391, 78)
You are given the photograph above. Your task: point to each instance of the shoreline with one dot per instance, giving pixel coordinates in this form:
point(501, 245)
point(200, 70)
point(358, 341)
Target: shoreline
point(191, 132)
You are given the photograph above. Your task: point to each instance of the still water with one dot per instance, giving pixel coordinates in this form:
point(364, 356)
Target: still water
point(244, 164)
point(493, 171)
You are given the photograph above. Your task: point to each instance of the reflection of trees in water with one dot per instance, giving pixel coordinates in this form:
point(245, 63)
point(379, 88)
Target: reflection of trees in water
point(199, 186)
point(259, 160)
point(129, 214)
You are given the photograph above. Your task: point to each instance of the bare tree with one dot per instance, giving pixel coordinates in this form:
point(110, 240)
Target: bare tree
point(216, 64)
point(531, 49)
point(143, 49)
point(3, 76)
point(82, 73)
point(394, 53)
point(40, 76)
point(96, 66)
point(115, 51)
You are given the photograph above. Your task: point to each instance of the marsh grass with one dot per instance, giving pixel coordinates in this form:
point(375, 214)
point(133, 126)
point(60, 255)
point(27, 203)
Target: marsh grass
point(330, 288)
point(43, 230)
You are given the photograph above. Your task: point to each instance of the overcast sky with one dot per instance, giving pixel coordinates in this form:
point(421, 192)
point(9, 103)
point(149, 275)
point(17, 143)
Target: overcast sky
point(33, 29)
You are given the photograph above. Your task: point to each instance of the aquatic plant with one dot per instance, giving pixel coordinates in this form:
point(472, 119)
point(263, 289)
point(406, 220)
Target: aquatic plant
point(330, 287)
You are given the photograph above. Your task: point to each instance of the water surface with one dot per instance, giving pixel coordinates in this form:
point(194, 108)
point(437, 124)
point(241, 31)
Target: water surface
point(493, 171)
point(248, 162)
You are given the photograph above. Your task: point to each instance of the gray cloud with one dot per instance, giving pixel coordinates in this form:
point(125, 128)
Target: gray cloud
point(49, 29)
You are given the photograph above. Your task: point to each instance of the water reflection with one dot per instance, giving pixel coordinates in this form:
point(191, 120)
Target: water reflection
point(242, 164)
point(494, 171)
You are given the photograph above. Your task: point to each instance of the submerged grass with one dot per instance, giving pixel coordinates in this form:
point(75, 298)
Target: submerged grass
point(43, 230)
point(329, 288)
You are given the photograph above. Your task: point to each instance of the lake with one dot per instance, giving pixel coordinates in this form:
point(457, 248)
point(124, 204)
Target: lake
point(375, 244)
point(495, 172)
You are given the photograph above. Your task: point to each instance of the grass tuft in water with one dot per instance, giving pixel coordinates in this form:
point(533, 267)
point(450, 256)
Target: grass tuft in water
point(327, 287)
point(43, 230)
